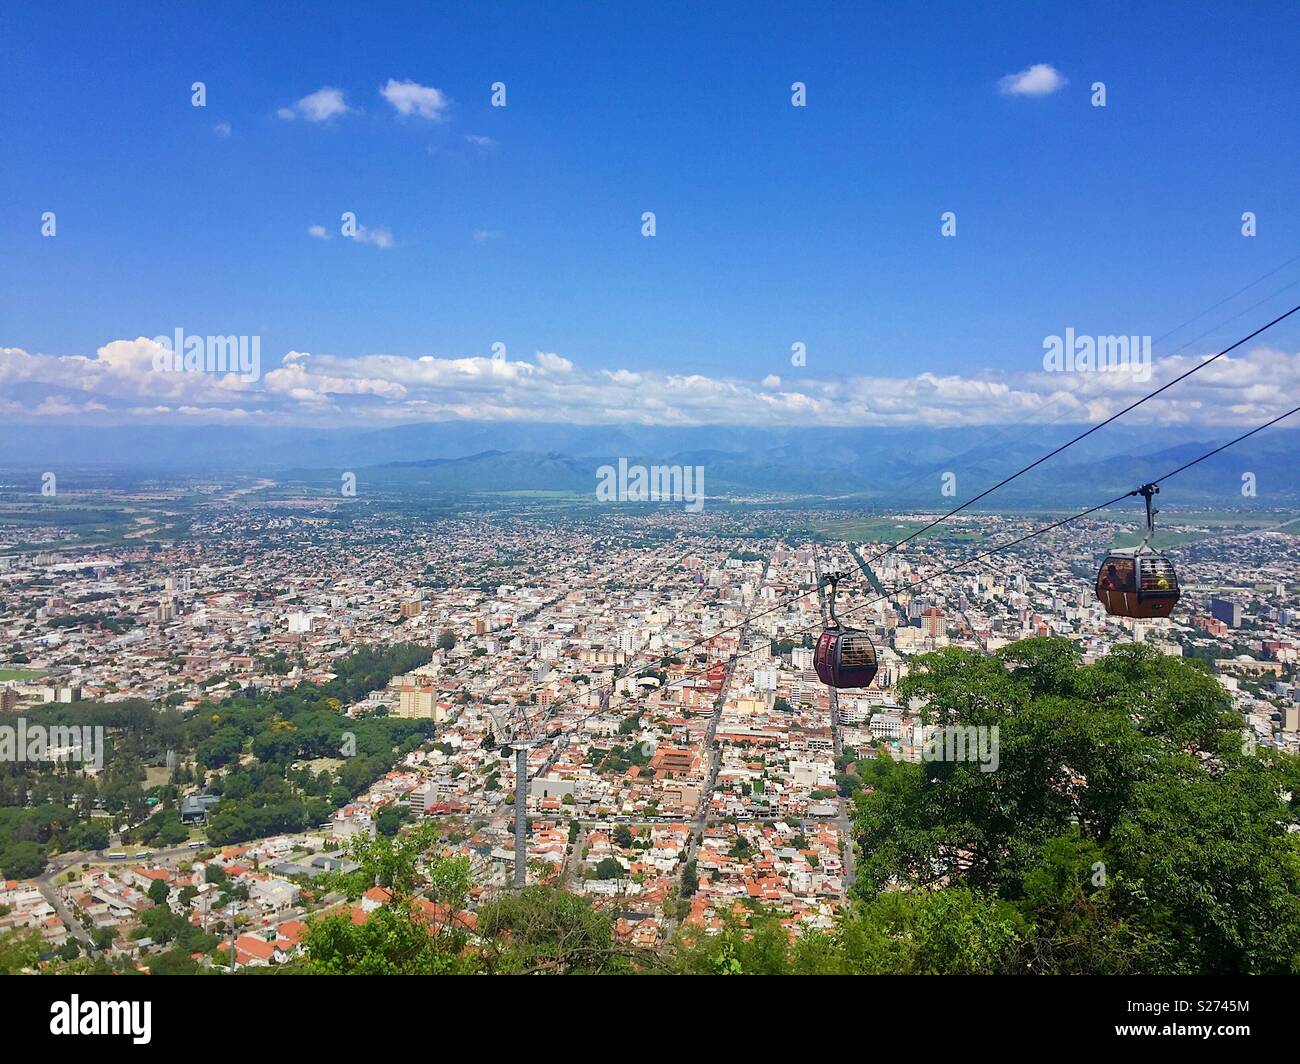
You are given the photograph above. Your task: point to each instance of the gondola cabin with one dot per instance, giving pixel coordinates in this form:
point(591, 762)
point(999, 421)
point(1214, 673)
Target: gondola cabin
point(1137, 582)
point(845, 658)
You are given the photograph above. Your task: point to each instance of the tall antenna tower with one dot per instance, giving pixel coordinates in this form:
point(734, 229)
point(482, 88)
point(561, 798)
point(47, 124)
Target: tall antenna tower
point(512, 731)
point(232, 936)
point(520, 746)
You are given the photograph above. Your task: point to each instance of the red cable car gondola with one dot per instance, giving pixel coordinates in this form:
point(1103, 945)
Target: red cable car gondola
point(1139, 581)
point(845, 657)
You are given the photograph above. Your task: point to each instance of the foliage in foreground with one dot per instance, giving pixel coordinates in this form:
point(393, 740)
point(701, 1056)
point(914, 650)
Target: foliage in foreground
point(1126, 826)
point(1125, 830)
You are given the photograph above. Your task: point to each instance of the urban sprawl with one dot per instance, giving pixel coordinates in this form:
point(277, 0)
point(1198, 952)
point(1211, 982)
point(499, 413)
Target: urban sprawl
point(657, 667)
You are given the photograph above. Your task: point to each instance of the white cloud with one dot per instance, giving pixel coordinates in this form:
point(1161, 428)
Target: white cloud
point(318, 231)
point(55, 407)
point(218, 414)
point(222, 129)
point(120, 370)
point(380, 238)
point(482, 235)
point(1041, 79)
point(119, 381)
point(553, 362)
point(480, 140)
point(412, 98)
point(320, 106)
point(294, 378)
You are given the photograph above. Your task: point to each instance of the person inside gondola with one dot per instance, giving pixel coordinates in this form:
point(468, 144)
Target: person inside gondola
point(1117, 584)
point(1109, 579)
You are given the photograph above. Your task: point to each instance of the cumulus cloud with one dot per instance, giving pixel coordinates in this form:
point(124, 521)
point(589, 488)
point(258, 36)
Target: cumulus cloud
point(121, 373)
point(1041, 79)
point(411, 98)
point(296, 379)
point(320, 106)
point(120, 381)
point(553, 362)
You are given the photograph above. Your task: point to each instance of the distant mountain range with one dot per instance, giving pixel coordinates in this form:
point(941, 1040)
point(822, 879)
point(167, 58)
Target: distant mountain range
point(901, 466)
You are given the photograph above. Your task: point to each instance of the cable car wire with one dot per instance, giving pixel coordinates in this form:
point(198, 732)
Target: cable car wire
point(1229, 299)
point(703, 640)
point(1068, 520)
point(1081, 436)
point(1002, 432)
point(782, 604)
point(739, 653)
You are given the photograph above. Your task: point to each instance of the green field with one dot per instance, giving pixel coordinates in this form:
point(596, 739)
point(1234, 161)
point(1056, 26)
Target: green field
point(868, 529)
point(20, 674)
point(537, 493)
point(1170, 528)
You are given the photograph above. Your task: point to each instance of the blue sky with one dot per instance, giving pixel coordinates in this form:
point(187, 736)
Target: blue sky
point(775, 223)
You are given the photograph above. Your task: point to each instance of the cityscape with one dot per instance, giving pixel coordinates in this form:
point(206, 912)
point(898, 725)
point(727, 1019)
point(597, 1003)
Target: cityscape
point(684, 761)
point(597, 490)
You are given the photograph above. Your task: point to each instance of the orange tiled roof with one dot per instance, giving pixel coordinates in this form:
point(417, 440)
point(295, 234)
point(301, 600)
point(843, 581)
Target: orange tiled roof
point(255, 947)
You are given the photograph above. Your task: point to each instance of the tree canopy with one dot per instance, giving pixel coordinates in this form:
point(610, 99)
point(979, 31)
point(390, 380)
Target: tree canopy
point(1126, 824)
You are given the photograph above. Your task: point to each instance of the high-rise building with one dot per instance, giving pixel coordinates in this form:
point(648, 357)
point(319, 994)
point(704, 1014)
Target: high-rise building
point(417, 700)
point(1227, 611)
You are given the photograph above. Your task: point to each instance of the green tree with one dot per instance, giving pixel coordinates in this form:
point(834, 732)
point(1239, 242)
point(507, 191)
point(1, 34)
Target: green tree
point(400, 937)
point(1123, 821)
point(390, 942)
point(387, 821)
point(19, 949)
point(690, 879)
point(174, 962)
point(752, 945)
point(608, 868)
point(541, 930)
point(22, 860)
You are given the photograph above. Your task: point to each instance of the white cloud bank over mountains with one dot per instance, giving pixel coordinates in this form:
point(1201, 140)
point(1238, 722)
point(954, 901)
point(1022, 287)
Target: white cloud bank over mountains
point(119, 383)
